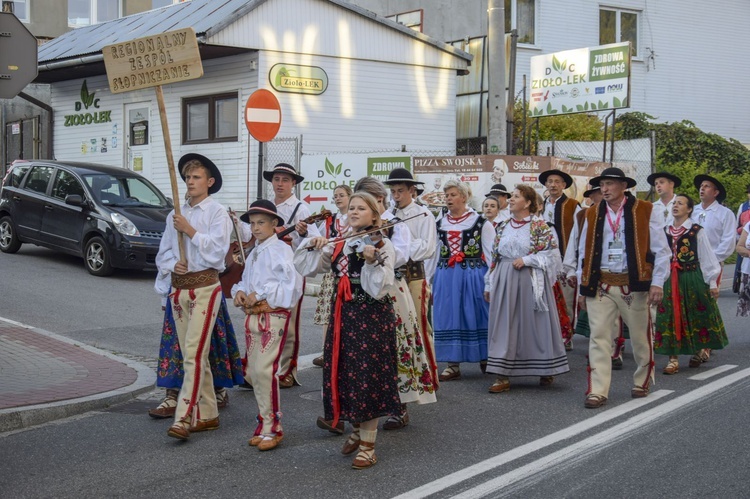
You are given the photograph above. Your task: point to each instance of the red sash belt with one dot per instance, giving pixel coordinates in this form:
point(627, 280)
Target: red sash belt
point(343, 293)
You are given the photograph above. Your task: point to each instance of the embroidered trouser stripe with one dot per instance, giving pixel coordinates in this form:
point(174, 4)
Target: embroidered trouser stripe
point(265, 335)
point(194, 325)
point(603, 311)
point(291, 346)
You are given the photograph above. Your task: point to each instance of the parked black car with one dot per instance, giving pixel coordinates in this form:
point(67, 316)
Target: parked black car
point(112, 217)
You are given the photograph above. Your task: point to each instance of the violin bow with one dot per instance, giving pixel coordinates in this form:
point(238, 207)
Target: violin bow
point(375, 229)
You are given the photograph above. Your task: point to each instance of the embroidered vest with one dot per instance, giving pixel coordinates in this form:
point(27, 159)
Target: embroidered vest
point(470, 246)
point(636, 215)
point(565, 209)
point(686, 250)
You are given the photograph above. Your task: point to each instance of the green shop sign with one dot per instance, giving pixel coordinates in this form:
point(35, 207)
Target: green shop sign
point(381, 167)
point(298, 79)
point(88, 103)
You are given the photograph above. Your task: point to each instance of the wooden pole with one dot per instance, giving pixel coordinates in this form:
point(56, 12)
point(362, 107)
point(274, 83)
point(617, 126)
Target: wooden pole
point(170, 164)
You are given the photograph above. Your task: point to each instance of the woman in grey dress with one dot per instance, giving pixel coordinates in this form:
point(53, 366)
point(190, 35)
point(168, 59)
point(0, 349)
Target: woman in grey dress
point(524, 328)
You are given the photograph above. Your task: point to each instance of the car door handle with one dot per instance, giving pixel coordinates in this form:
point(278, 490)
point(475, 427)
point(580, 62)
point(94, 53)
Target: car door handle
point(49, 208)
point(16, 198)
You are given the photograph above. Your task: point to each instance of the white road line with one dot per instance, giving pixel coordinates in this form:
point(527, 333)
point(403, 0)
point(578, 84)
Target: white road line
point(712, 372)
point(596, 443)
point(519, 452)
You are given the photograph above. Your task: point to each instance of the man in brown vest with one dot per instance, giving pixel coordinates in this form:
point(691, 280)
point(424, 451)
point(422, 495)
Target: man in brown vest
point(559, 212)
point(624, 261)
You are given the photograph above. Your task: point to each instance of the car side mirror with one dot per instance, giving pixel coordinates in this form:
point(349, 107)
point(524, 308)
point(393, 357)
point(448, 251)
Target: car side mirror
point(170, 201)
point(74, 200)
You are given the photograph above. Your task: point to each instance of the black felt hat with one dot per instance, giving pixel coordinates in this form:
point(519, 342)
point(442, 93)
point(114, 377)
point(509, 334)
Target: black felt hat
point(498, 190)
point(674, 178)
point(612, 173)
point(699, 179)
point(401, 176)
point(215, 173)
point(545, 175)
point(589, 192)
point(283, 168)
point(262, 207)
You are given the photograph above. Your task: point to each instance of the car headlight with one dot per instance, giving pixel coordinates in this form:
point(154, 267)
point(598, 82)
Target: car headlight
point(124, 225)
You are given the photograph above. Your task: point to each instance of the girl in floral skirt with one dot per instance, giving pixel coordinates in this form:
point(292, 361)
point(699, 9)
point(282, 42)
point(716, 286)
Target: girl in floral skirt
point(688, 320)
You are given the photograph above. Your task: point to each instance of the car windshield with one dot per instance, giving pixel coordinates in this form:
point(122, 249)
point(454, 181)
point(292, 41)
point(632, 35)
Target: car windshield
point(124, 191)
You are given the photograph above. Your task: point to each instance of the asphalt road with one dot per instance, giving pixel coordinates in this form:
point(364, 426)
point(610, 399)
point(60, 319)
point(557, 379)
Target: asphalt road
point(687, 439)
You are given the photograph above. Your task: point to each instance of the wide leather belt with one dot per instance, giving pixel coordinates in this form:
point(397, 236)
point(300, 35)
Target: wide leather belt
point(194, 280)
point(412, 270)
point(615, 279)
point(262, 307)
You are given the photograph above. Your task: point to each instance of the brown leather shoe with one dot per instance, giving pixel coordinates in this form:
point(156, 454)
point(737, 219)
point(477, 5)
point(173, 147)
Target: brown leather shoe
point(450, 373)
point(351, 444)
point(500, 386)
point(325, 424)
point(222, 398)
point(253, 442)
point(396, 422)
point(270, 443)
point(546, 380)
point(209, 424)
point(161, 412)
point(365, 457)
point(638, 393)
point(318, 361)
point(286, 381)
point(594, 401)
point(178, 431)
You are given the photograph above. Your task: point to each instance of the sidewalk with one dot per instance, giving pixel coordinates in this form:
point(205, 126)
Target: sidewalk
point(44, 376)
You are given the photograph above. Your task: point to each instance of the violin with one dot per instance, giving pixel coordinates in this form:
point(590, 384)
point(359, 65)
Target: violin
point(235, 259)
point(374, 239)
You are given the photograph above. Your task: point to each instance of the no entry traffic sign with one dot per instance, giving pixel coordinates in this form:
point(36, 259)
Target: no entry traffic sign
point(263, 115)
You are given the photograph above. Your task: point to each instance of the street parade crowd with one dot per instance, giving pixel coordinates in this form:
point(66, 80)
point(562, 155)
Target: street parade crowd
point(403, 289)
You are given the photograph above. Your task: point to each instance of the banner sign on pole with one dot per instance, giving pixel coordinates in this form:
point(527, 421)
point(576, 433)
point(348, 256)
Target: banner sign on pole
point(580, 80)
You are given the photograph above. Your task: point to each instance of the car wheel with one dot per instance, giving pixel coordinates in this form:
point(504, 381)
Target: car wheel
point(96, 257)
point(9, 242)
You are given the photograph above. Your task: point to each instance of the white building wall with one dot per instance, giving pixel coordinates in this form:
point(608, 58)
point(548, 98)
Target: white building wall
point(368, 106)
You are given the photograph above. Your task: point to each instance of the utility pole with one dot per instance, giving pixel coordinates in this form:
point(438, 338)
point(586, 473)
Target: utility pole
point(496, 134)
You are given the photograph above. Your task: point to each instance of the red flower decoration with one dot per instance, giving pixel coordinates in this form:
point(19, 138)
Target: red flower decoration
point(457, 258)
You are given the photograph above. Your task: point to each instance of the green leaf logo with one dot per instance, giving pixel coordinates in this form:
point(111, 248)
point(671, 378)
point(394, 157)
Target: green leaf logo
point(557, 65)
point(86, 98)
point(330, 169)
point(616, 102)
point(339, 168)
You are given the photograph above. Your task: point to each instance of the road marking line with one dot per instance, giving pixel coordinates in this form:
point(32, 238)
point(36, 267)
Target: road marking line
point(596, 443)
point(524, 450)
point(712, 372)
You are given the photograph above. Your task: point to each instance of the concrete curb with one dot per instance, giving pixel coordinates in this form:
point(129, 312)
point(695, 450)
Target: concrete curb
point(16, 418)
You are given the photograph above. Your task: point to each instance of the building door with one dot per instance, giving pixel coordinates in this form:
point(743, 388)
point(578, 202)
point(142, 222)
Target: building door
point(21, 141)
point(138, 138)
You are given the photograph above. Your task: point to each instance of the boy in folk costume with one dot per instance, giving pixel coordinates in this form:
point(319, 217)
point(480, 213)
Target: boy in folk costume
point(196, 291)
point(559, 212)
point(269, 288)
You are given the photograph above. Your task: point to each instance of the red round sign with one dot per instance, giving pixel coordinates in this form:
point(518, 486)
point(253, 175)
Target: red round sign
point(263, 115)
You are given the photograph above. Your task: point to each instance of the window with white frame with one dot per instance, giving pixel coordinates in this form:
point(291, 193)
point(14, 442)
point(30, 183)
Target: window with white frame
point(521, 15)
point(87, 12)
point(618, 25)
point(21, 10)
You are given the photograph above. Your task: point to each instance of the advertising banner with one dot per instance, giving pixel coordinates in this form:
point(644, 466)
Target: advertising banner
point(482, 172)
point(580, 80)
point(323, 173)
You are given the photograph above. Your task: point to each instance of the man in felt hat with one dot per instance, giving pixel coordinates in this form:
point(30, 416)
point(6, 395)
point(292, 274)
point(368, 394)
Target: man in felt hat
point(664, 183)
point(284, 178)
point(269, 288)
point(623, 263)
point(422, 249)
point(205, 227)
point(501, 193)
point(559, 212)
point(716, 219)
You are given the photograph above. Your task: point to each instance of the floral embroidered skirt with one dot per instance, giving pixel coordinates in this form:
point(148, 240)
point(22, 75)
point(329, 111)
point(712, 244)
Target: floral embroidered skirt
point(323, 307)
point(415, 382)
point(460, 314)
point(701, 319)
point(367, 368)
point(743, 303)
point(223, 355)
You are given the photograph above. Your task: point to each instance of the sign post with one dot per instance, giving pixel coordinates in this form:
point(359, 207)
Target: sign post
point(153, 61)
point(263, 121)
point(18, 56)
